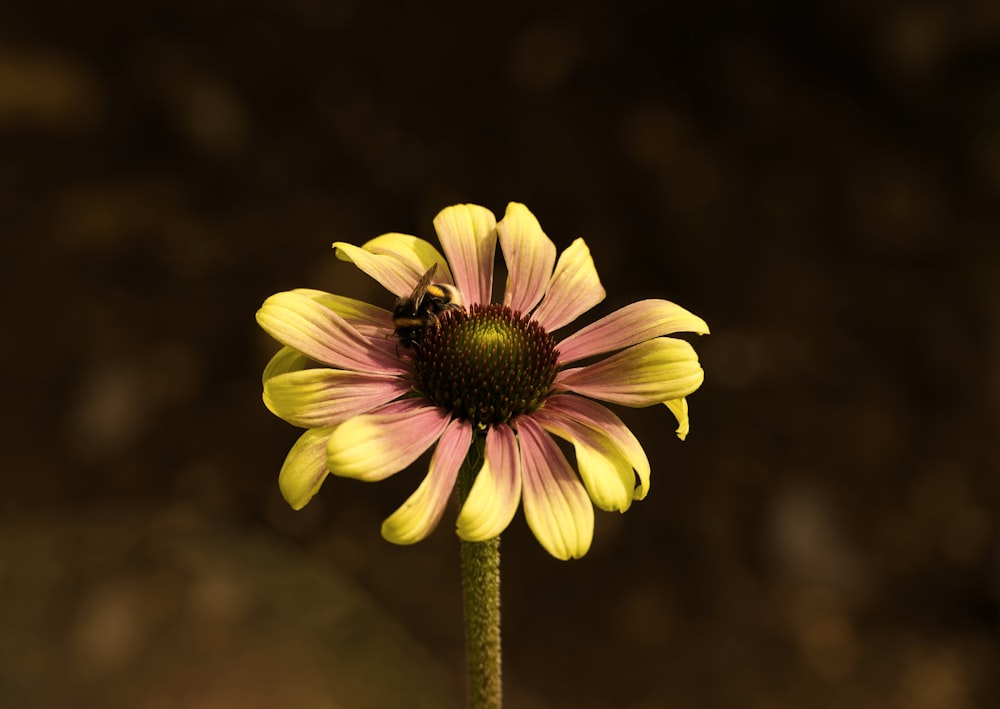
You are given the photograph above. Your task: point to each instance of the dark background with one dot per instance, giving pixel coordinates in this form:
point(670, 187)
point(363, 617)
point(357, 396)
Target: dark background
point(818, 181)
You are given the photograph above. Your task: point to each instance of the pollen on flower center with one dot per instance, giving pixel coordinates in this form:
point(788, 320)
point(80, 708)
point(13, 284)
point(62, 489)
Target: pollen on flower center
point(487, 365)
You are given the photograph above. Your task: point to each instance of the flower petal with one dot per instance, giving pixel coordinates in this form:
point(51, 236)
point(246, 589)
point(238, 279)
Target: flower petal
point(373, 322)
point(606, 474)
point(496, 492)
point(397, 261)
point(413, 251)
point(468, 236)
point(326, 397)
point(604, 421)
point(376, 445)
point(645, 374)
point(679, 408)
point(285, 360)
point(419, 515)
point(389, 271)
point(304, 469)
point(573, 289)
point(635, 323)
point(529, 255)
point(556, 506)
point(298, 321)
point(366, 318)
point(609, 457)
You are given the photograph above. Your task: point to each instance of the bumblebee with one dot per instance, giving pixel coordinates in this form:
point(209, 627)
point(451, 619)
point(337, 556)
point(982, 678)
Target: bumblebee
point(414, 314)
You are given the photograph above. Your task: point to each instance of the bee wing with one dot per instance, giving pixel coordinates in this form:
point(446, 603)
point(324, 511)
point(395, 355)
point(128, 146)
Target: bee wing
point(421, 288)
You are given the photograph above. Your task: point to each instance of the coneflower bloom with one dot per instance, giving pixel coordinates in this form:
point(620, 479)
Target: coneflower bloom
point(491, 379)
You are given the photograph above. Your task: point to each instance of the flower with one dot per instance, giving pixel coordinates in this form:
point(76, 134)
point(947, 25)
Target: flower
point(490, 380)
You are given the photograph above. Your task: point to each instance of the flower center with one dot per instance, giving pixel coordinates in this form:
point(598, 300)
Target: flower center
point(487, 365)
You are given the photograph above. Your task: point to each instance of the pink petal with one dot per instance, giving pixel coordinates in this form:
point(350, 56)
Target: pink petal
point(573, 289)
point(556, 505)
point(326, 397)
point(529, 255)
point(628, 326)
point(420, 514)
point(319, 333)
point(468, 236)
point(496, 492)
point(376, 445)
point(371, 321)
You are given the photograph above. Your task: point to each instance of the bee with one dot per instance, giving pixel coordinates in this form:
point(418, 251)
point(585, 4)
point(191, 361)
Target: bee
point(414, 314)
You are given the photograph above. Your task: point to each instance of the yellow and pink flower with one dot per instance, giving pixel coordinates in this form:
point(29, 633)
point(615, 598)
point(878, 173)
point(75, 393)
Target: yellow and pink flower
point(491, 380)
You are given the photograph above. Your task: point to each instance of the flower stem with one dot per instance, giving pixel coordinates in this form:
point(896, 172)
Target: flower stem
point(481, 596)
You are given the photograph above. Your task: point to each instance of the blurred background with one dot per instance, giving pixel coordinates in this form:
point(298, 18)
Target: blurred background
point(819, 181)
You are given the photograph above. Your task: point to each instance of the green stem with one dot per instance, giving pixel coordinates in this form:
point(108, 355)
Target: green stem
point(481, 595)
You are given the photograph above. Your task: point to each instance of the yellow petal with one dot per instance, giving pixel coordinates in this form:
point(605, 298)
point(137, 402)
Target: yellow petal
point(366, 318)
point(651, 372)
point(605, 472)
point(556, 507)
point(325, 397)
point(397, 261)
point(679, 408)
point(285, 360)
point(569, 409)
point(496, 492)
point(607, 476)
point(304, 469)
point(377, 445)
point(418, 254)
point(394, 275)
